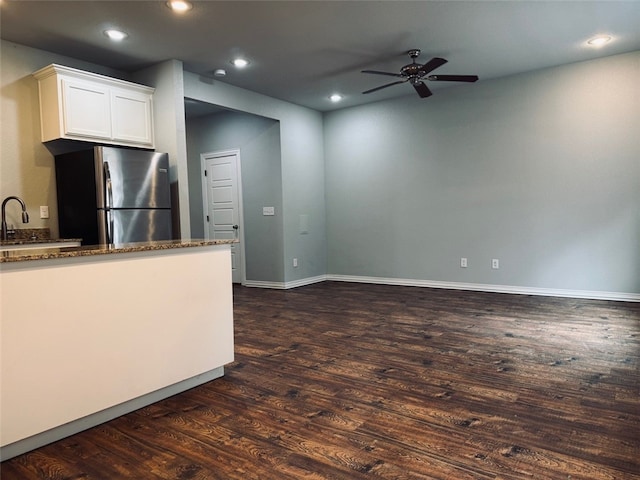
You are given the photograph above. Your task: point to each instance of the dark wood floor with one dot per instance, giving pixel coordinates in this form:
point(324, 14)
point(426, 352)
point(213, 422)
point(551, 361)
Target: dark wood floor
point(350, 381)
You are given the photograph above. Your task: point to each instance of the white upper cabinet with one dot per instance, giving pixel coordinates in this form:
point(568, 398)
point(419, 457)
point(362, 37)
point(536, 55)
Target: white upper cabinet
point(85, 106)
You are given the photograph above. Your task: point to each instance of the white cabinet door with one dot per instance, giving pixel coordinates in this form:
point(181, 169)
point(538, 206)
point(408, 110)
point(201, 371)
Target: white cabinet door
point(131, 114)
point(86, 109)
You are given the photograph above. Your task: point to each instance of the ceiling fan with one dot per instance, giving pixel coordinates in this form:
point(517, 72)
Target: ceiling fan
point(415, 73)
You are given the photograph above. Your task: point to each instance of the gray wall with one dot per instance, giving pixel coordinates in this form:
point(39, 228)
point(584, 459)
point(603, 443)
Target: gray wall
point(258, 140)
point(541, 171)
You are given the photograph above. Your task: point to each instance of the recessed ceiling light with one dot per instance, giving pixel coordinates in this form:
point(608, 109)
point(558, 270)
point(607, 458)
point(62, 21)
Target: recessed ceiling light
point(179, 6)
point(116, 35)
point(599, 41)
point(336, 97)
point(240, 62)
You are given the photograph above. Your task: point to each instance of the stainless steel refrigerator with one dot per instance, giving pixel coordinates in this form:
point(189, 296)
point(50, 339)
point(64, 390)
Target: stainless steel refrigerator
point(109, 195)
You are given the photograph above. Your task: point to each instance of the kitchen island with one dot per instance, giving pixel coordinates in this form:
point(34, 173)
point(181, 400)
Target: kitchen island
point(91, 333)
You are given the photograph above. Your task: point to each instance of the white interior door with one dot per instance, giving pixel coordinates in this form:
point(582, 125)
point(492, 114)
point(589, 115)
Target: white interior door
point(222, 204)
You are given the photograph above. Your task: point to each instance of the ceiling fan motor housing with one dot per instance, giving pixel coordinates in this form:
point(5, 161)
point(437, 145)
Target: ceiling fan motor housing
point(412, 69)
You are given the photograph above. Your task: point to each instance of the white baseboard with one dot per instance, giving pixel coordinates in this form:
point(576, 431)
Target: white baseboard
point(306, 281)
point(477, 287)
point(285, 285)
point(482, 287)
point(263, 284)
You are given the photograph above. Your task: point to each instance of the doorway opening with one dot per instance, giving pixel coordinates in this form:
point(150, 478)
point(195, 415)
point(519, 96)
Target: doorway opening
point(214, 129)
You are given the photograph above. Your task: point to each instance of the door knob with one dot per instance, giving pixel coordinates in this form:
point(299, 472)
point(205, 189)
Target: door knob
point(235, 227)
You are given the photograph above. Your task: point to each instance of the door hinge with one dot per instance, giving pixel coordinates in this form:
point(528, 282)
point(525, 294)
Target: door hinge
point(207, 218)
point(205, 173)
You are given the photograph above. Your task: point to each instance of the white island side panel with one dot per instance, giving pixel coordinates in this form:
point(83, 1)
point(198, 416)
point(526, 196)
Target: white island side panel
point(81, 335)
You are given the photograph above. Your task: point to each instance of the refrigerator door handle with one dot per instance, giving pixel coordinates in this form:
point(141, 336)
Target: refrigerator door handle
point(109, 202)
point(109, 226)
point(107, 176)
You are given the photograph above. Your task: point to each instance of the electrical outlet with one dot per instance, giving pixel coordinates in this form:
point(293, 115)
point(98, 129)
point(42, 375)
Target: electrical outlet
point(44, 211)
point(295, 262)
point(463, 262)
point(495, 264)
point(268, 211)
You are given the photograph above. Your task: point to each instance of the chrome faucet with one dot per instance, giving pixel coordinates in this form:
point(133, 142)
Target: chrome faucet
point(25, 215)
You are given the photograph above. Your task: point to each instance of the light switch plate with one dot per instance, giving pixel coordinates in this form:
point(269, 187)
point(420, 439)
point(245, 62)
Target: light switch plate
point(268, 211)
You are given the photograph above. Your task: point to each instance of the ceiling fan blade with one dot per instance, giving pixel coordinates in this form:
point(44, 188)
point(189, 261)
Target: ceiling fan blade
point(376, 72)
point(431, 65)
point(422, 90)
point(453, 78)
point(384, 86)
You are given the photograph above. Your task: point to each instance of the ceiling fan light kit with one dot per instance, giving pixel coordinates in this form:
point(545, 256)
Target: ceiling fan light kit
point(415, 73)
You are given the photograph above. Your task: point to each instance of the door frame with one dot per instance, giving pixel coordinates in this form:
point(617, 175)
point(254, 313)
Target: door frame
point(205, 205)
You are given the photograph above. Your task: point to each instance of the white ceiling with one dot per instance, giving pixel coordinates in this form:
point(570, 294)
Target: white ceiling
point(302, 51)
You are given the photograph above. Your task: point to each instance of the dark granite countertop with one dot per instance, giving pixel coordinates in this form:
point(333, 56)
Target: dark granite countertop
point(84, 251)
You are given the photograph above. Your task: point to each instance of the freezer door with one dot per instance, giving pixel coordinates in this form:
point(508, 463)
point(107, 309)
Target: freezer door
point(130, 225)
point(133, 178)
